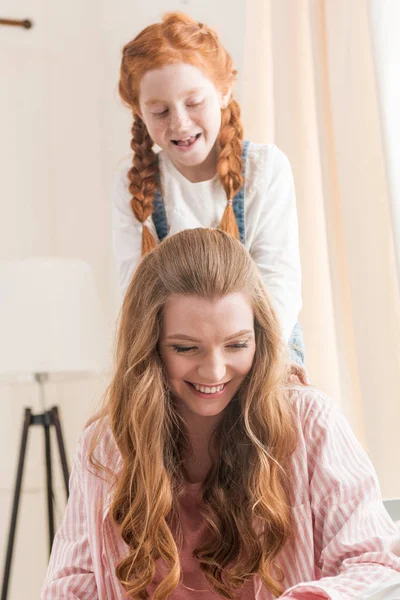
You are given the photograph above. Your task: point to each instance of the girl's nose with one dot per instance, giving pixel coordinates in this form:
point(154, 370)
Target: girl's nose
point(179, 121)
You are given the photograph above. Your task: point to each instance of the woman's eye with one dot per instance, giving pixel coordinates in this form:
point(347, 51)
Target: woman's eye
point(188, 349)
point(183, 349)
point(239, 345)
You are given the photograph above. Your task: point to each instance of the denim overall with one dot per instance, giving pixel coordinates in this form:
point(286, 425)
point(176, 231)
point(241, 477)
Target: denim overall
point(160, 222)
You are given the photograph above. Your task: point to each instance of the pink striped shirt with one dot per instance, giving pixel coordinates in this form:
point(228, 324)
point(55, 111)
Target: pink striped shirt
point(342, 547)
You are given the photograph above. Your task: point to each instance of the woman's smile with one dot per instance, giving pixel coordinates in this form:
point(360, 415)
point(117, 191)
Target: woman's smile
point(206, 391)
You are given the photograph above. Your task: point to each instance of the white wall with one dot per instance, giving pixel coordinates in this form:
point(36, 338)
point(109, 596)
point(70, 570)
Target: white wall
point(63, 131)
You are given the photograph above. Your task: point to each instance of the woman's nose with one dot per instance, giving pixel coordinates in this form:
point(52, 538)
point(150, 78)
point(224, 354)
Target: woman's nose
point(212, 370)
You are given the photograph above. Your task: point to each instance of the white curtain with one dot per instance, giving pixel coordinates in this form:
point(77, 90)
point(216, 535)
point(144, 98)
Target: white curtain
point(384, 19)
point(318, 83)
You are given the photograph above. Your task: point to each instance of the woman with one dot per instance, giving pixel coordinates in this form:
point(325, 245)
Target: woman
point(207, 475)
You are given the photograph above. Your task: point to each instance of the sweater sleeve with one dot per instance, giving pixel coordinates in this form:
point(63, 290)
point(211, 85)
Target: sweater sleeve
point(354, 538)
point(127, 231)
point(275, 246)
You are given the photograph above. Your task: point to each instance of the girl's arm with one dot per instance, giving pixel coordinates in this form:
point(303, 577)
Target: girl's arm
point(275, 245)
point(127, 231)
point(354, 537)
point(70, 574)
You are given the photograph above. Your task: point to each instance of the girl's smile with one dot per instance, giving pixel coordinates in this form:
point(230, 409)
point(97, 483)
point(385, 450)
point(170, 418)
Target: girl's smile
point(187, 142)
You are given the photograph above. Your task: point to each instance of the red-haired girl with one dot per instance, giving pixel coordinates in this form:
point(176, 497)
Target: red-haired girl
point(177, 79)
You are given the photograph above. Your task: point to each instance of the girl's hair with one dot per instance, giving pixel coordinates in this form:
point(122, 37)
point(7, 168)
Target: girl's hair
point(178, 38)
point(246, 493)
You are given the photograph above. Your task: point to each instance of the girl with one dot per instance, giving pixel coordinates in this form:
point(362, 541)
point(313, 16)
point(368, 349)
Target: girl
point(207, 475)
point(177, 79)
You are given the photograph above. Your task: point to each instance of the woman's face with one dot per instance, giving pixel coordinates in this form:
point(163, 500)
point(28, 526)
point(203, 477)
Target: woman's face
point(207, 348)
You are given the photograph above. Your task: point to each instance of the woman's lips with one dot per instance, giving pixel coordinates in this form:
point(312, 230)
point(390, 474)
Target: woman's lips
point(205, 395)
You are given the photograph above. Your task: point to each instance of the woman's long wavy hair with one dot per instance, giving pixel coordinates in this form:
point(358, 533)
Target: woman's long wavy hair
point(178, 38)
point(245, 497)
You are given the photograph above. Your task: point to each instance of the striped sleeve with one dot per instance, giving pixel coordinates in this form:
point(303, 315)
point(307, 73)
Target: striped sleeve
point(354, 536)
point(70, 573)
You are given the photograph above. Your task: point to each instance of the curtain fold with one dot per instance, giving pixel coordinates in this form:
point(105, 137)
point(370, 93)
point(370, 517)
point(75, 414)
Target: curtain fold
point(384, 21)
point(315, 94)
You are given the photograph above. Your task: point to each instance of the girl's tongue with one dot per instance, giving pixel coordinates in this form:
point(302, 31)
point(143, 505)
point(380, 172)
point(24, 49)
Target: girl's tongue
point(187, 142)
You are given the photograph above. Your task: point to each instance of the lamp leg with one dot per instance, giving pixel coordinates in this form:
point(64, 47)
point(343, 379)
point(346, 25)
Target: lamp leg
point(49, 477)
point(17, 495)
point(61, 447)
point(46, 419)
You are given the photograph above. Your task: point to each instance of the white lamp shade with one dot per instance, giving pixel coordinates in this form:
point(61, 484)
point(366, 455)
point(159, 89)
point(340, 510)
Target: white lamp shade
point(51, 319)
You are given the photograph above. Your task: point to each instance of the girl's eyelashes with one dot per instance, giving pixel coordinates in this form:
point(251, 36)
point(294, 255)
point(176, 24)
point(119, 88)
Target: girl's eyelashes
point(194, 103)
point(160, 114)
point(190, 104)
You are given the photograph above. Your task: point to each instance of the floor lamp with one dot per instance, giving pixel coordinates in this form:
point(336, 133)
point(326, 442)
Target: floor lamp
point(51, 323)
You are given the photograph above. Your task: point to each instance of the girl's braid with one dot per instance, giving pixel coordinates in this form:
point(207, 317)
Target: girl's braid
point(229, 165)
point(143, 177)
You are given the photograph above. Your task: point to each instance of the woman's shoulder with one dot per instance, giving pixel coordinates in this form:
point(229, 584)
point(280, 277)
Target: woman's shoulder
point(309, 404)
point(97, 448)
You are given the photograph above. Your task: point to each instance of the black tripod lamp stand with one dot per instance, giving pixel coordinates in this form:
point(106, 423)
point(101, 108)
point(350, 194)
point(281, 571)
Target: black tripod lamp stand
point(48, 419)
point(51, 323)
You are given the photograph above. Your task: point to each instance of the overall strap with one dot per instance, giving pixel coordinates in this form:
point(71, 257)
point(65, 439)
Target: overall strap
point(159, 215)
point(238, 200)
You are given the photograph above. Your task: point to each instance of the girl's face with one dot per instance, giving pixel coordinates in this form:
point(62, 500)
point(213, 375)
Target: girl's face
point(181, 109)
point(207, 348)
